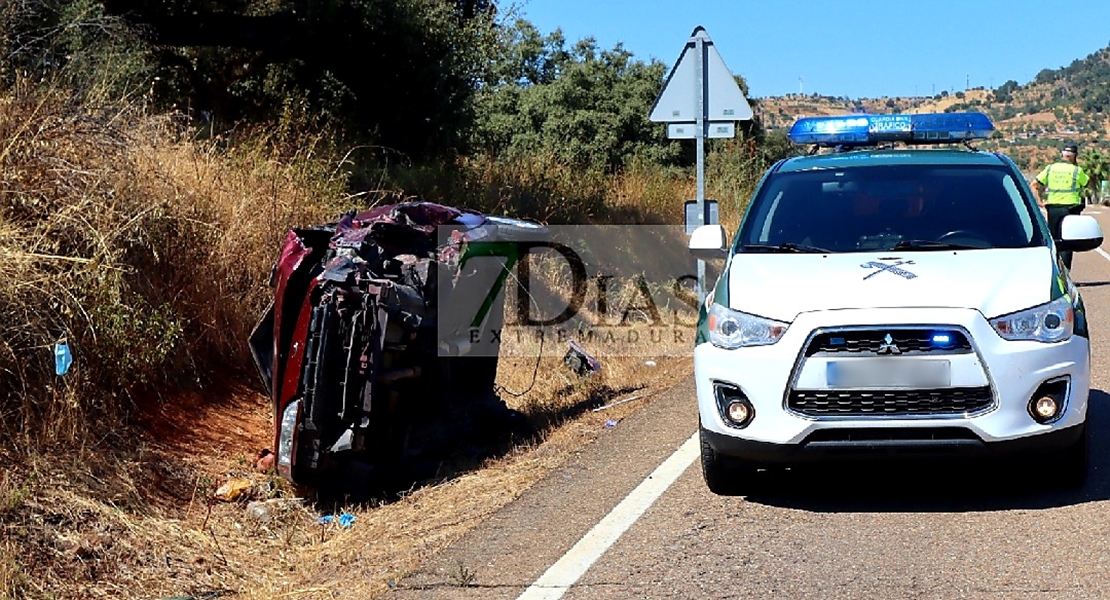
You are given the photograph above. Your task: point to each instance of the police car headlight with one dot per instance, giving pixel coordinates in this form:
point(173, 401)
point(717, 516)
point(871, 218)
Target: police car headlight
point(1052, 322)
point(733, 329)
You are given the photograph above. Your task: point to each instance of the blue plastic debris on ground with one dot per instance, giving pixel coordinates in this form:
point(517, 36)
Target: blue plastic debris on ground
point(62, 357)
point(345, 520)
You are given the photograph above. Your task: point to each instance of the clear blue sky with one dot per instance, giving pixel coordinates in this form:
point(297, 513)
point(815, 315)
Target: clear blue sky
point(854, 48)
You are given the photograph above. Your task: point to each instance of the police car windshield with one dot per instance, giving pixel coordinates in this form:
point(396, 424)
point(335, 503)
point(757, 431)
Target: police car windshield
point(886, 207)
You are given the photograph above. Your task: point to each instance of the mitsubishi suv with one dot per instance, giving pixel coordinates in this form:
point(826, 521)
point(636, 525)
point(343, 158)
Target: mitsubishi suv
point(895, 293)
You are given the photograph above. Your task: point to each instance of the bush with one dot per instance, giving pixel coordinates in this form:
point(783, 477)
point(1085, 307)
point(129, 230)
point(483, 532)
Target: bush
point(143, 250)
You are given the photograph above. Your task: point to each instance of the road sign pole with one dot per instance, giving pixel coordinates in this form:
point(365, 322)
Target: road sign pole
point(699, 135)
point(700, 99)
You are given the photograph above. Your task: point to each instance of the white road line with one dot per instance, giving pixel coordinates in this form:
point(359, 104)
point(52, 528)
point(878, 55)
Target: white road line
point(569, 569)
point(1103, 253)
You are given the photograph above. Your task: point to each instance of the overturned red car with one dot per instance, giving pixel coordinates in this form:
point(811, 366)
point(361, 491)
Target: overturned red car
point(369, 386)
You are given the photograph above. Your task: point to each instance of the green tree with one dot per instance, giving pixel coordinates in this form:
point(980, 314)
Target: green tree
point(1005, 91)
point(581, 105)
point(1046, 76)
point(75, 43)
point(400, 72)
point(1097, 166)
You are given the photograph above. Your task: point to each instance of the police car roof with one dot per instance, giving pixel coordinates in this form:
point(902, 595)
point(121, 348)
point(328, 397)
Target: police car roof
point(872, 157)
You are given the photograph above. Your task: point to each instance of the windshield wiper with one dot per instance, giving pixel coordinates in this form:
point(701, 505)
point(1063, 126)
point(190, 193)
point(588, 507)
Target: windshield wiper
point(932, 245)
point(787, 247)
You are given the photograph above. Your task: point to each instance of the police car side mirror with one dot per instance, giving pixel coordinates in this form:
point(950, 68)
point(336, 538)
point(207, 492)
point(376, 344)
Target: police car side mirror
point(709, 242)
point(1079, 233)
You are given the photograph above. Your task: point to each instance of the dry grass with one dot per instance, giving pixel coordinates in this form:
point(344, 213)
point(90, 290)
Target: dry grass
point(14, 582)
point(546, 190)
point(389, 541)
point(147, 249)
point(144, 524)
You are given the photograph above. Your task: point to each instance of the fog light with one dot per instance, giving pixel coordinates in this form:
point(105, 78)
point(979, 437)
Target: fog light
point(1045, 408)
point(738, 412)
point(1050, 400)
point(734, 407)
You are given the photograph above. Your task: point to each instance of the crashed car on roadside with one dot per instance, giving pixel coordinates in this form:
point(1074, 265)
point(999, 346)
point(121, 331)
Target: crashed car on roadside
point(367, 384)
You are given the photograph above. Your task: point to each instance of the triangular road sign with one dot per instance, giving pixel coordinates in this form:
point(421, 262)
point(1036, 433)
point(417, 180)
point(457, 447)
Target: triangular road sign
point(678, 101)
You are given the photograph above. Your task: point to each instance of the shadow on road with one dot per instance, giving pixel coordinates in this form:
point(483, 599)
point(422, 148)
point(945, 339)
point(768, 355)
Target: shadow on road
point(489, 437)
point(942, 487)
point(1091, 283)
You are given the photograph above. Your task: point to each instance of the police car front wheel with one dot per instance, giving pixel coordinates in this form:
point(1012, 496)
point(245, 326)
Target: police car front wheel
point(725, 475)
point(1072, 464)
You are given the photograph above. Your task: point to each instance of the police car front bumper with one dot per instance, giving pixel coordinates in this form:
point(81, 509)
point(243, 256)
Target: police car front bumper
point(1014, 371)
point(894, 447)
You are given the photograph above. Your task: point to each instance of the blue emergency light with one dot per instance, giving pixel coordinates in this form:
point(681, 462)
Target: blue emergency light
point(863, 130)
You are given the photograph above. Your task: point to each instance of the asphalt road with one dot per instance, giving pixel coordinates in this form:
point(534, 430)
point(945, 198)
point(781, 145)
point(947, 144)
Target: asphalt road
point(932, 531)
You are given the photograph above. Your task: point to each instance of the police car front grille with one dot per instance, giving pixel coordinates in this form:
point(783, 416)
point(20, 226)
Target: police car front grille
point(903, 341)
point(888, 403)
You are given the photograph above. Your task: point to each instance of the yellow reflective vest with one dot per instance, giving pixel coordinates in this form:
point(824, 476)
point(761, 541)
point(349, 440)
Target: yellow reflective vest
point(1062, 182)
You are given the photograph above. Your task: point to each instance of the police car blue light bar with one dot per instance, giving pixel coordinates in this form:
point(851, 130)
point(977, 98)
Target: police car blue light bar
point(858, 130)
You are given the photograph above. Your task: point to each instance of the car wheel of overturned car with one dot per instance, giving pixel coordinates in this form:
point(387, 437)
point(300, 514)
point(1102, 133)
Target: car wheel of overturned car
point(724, 475)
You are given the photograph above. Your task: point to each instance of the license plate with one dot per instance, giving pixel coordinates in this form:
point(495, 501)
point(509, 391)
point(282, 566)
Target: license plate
point(888, 373)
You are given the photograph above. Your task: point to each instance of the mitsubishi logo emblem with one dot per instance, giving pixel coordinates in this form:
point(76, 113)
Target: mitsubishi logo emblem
point(888, 346)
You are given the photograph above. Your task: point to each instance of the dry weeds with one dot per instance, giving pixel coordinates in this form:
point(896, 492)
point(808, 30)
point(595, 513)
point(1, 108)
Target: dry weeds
point(144, 524)
point(147, 248)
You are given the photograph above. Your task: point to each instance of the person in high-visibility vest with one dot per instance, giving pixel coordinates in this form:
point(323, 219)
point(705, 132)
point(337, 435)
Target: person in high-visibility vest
point(1059, 189)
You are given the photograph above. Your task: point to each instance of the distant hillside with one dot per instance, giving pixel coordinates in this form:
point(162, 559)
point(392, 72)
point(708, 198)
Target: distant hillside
point(1070, 103)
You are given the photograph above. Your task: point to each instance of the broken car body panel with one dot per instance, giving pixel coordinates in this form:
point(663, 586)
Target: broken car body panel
point(351, 351)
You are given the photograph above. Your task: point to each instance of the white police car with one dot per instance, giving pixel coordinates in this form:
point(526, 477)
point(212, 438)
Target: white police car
point(892, 298)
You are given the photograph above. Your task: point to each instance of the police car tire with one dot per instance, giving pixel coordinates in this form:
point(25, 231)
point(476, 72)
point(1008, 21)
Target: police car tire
point(724, 475)
point(1074, 463)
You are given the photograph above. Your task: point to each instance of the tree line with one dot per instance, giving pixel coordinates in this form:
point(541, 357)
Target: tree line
point(426, 78)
